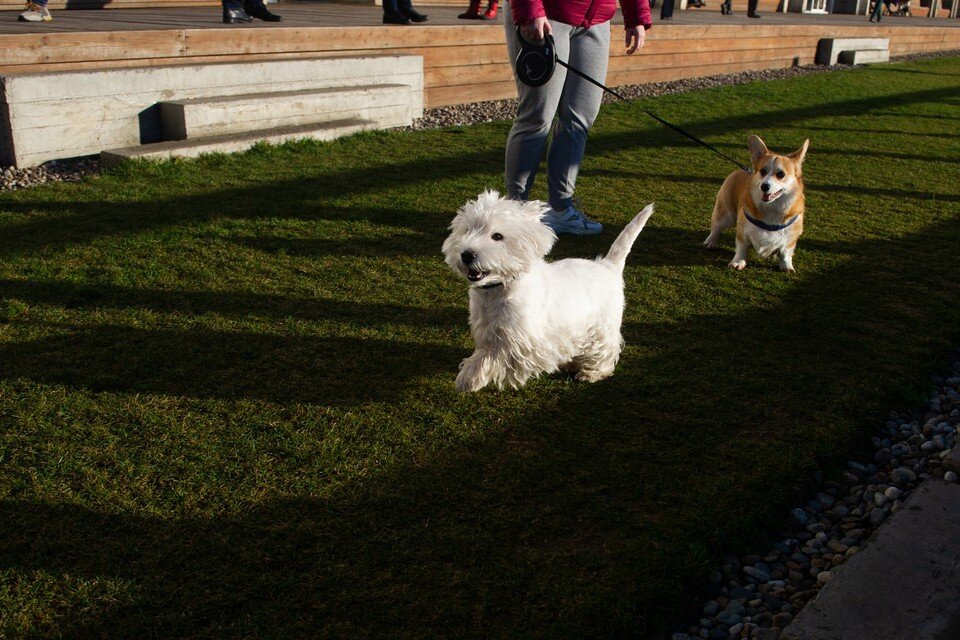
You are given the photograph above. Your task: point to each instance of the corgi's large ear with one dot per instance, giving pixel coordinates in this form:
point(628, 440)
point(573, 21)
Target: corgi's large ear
point(757, 148)
point(798, 155)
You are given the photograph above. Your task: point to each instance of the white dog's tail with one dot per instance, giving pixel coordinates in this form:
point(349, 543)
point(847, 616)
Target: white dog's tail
point(624, 242)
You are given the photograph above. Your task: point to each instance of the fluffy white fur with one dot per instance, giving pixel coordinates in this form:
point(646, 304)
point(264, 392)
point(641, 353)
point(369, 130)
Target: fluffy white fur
point(528, 316)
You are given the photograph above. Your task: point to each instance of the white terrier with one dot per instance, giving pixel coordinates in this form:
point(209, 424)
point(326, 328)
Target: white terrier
point(528, 316)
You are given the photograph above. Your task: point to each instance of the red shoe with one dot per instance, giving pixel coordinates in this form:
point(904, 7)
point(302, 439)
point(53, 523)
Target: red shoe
point(492, 8)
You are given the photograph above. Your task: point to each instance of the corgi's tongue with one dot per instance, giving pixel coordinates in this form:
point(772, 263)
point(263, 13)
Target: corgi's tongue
point(767, 197)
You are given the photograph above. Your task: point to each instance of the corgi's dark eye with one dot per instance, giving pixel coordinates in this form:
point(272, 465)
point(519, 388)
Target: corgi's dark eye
point(497, 236)
point(763, 172)
point(780, 174)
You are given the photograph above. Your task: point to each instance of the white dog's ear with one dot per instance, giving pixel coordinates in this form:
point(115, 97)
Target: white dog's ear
point(488, 198)
point(543, 236)
point(757, 147)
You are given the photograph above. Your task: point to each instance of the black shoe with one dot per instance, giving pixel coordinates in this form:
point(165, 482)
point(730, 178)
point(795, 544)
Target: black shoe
point(233, 16)
point(260, 11)
point(393, 17)
point(754, 15)
point(413, 15)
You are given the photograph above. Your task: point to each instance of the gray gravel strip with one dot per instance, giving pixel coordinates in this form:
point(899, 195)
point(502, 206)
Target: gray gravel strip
point(757, 595)
point(12, 179)
point(463, 115)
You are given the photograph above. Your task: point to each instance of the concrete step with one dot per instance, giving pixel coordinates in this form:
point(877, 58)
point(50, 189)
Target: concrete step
point(388, 105)
point(829, 49)
point(863, 56)
point(233, 142)
point(903, 585)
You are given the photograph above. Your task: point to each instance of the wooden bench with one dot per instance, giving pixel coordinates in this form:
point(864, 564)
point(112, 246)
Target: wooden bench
point(852, 50)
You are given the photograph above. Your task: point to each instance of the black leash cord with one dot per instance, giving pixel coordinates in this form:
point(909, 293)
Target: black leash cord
point(654, 116)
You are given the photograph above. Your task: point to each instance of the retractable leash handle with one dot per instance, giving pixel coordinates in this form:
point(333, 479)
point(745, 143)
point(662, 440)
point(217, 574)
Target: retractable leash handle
point(536, 62)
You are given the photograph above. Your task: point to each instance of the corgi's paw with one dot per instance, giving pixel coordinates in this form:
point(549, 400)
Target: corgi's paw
point(710, 242)
point(787, 268)
point(739, 265)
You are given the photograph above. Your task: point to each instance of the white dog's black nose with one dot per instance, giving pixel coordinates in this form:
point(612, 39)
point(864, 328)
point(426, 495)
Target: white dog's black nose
point(468, 257)
point(765, 187)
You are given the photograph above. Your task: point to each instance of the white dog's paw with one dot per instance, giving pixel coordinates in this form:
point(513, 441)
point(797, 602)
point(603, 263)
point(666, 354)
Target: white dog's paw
point(472, 376)
point(468, 384)
point(787, 268)
point(592, 375)
point(739, 265)
point(710, 242)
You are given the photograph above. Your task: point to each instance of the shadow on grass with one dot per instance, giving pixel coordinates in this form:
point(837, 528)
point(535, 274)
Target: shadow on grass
point(209, 364)
point(591, 517)
point(248, 305)
point(301, 198)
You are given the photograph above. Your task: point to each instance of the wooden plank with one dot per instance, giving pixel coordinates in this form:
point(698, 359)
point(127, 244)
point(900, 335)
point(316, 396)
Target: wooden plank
point(85, 47)
point(466, 94)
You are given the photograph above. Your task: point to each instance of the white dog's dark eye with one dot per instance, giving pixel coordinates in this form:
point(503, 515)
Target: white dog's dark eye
point(763, 172)
point(497, 236)
point(780, 174)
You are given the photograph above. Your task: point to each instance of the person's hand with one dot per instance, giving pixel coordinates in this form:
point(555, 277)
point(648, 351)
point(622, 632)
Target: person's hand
point(634, 39)
point(536, 29)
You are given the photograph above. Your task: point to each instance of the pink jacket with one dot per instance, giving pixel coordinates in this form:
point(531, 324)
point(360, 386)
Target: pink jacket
point(582, 13)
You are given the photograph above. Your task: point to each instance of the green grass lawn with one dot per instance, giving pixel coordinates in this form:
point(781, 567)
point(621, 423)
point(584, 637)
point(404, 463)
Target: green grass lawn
point(226, 385)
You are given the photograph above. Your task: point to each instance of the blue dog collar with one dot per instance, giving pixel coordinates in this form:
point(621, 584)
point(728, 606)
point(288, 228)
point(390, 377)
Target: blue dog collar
point(770, 227)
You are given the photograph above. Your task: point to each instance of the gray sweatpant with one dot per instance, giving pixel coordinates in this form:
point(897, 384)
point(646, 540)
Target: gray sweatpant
point(575, 103)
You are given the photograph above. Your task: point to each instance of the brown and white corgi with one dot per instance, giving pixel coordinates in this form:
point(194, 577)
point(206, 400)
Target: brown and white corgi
point(766, 205)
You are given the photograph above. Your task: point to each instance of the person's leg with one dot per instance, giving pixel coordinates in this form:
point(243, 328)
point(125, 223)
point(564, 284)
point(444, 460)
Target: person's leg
point(472, 12)
point(535, 110)
point(257, 9)
point(589, 51)
point(877, 10)
point(406, 8)
point(666, 10)
point(392, 14)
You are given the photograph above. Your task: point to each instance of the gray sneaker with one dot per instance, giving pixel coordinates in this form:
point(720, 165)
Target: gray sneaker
point(572, 221)
point(35, 13)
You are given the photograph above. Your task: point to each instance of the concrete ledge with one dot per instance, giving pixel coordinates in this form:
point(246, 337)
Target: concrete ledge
point(233, 142)
point(61, 115)
point(829, 49)
point(863, 56)
point(386, 104)
point(905, 584)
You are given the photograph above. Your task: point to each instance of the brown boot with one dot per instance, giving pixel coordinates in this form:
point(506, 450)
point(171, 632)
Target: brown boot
point(472, 12)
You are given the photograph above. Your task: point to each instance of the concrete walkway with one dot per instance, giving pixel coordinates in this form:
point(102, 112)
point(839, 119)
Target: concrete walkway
point(905, 584)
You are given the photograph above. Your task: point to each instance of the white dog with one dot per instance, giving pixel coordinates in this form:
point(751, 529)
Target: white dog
point(528, 316)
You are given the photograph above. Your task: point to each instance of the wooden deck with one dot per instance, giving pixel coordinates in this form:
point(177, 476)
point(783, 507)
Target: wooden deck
point(464, 61)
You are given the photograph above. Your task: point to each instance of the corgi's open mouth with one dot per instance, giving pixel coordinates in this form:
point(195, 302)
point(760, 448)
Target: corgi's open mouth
point(476, 275)
point(770, 197)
